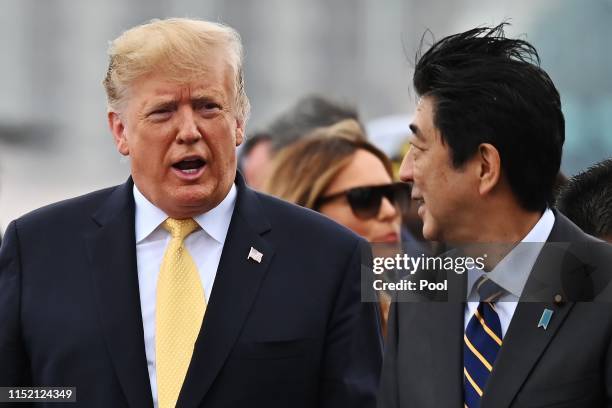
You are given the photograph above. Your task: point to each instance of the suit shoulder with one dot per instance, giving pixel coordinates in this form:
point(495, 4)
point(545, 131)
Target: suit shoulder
point(304, 221)
point(564, 230)
point(65, 210)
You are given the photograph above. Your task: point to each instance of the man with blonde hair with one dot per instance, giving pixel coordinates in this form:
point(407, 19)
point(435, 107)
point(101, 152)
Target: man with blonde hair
point(183, 287)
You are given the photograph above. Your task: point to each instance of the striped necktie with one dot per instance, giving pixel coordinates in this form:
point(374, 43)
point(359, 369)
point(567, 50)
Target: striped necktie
point(481, 342)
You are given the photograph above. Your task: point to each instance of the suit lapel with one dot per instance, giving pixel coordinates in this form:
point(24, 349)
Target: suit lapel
point(525, 342)
point(235, 288)
point(523, 345)
point(446, 337)
point(112, 251)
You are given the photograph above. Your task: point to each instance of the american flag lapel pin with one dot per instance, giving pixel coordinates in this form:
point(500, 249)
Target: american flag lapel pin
point(255, 255)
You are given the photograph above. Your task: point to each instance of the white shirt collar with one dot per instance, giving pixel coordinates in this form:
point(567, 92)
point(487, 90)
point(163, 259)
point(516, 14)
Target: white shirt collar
point(215, 222)
point(512, 272)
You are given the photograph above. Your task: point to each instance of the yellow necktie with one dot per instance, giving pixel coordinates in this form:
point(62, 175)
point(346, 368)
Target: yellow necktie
point(179, 312)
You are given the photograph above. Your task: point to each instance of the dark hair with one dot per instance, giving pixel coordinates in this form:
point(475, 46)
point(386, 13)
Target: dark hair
point(487, 88)
point(560, 182)
point(309, 113)
point(253, 140)
point(587, 199)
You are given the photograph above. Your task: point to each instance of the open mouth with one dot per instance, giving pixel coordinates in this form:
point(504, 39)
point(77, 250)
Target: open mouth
point(190, 165)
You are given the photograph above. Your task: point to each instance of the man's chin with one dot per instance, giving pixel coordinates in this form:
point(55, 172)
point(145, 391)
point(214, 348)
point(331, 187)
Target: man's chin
point(429, 232)
point(199, 197)
point(188, 201)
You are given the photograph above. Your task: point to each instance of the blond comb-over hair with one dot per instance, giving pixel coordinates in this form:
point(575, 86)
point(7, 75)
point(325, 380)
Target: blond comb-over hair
point(177, 47)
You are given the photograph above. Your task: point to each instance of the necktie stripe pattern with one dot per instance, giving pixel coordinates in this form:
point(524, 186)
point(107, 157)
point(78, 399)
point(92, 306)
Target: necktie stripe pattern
point(485, 362)
point(486, 328)
point(482, 341)
point(475, 387)
point(180, 308)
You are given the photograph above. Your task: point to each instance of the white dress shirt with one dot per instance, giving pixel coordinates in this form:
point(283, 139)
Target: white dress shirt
point(204, 245)
point(511, 273)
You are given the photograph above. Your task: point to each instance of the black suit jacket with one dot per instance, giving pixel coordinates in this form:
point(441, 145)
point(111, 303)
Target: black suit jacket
point(287, 332)
point(567, 365)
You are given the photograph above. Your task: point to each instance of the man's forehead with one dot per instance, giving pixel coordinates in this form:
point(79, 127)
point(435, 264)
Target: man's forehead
point(186, 89)
point(422, 125)
point(419, 122)
point(166, 77)
point(156, 89)
point(424, 103)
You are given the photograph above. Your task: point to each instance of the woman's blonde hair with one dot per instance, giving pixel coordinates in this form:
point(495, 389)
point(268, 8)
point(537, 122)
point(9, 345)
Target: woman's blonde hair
point(177, 47)
point(302, 172)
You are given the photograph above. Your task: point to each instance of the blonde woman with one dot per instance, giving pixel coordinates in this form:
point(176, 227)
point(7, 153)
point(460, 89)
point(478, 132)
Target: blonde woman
point(338, 173)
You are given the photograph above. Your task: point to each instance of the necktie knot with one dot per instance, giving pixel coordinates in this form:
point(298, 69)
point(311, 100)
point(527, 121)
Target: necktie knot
point(488, 290)
point(180, 228)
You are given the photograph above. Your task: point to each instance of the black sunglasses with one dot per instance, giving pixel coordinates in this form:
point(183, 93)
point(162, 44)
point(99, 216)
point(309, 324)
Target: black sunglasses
point(365, 201)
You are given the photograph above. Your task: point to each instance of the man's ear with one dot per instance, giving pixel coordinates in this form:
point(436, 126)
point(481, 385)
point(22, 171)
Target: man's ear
point(117, 127)
point(239, 132)
point(489, 167)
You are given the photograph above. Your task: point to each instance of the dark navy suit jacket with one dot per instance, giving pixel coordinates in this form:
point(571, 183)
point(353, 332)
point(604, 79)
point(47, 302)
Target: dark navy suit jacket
point(290, 331)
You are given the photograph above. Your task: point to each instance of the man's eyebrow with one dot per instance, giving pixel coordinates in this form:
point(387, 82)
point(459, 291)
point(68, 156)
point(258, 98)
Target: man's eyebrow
point(162, 104)
point(202, 99)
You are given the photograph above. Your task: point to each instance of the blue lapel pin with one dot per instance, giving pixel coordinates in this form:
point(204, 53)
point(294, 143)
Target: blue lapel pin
point(545, 319)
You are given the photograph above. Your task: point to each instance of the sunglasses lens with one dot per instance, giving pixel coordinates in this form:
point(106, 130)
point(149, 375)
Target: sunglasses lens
point(365, 201)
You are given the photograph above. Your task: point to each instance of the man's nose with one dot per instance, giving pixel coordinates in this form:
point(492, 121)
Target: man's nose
point(406, 168)
point(188, 131)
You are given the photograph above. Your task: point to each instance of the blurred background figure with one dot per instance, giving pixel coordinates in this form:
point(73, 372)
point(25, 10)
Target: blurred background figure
point(560, 183)
point(321, 170)
point(337, 172)
point(586, 199)
point(254, 159)
point(309, 113)
point(390, 134)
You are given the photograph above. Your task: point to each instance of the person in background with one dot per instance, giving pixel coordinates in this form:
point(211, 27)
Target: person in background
point(390, 134)
point(337, 172)
point(309, 113)
point(560, 182)
point(586, 199)
point(254, 159)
